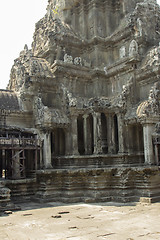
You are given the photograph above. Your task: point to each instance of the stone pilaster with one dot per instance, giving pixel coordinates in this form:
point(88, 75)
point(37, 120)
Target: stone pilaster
point(84, 21)
point(95, 19)
point(148, 130)
point(41, 158)
point(156, 154)
point(74, 135)
point(87, 134)
point(47, 150)
point(68, 141)
point(61, 143)
point(97, 133)
point(126, 137)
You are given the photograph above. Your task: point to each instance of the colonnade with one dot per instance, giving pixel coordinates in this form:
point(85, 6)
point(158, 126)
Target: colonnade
point(90, 133)
point(99, 133)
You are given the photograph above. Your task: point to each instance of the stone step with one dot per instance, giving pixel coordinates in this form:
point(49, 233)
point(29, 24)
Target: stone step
point(22, 190)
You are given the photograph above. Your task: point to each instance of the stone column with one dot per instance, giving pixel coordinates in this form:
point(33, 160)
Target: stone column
point(120, 133)
point(97, 133)
point(16, 164)
point(156, 154)
point(110, 133)
point(85, 133)
point(148, 129)
point(89, 135)
point(127, 137)
point(74, 136)
point(41, 158)
point(47, 150)
point(40, 134)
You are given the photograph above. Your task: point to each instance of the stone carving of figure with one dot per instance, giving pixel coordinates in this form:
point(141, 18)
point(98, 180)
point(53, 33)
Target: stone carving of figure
point(78, 61)
point(68, 58)
point(126, 89)
point(122, 52)
point(26, 48)
point(42, 112)
point(133, 48)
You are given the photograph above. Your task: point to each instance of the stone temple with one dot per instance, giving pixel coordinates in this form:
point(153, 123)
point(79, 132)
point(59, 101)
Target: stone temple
point(80, 118)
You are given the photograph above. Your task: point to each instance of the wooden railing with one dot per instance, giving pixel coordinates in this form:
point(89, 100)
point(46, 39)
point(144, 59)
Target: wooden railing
point(24, 142)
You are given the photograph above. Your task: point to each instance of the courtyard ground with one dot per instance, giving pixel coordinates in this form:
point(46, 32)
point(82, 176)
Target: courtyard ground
point(82, 222)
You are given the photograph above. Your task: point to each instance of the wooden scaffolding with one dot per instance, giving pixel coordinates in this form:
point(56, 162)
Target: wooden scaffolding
point(19, 155)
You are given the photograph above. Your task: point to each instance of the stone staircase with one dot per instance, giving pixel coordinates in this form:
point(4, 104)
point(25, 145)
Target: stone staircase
point(22, 190)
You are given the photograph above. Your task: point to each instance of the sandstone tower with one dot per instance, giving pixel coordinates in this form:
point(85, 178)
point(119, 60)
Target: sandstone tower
point(86, 96)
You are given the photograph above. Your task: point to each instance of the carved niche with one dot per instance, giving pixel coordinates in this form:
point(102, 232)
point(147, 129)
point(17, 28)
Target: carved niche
point(133, 48)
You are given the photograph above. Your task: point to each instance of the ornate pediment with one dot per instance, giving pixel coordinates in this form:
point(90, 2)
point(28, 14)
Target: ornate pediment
point(150, 107)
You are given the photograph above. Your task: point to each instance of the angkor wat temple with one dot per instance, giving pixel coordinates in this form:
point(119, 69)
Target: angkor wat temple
point(80, 118)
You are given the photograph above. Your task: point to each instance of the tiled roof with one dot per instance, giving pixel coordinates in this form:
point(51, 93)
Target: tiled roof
point(8, 100)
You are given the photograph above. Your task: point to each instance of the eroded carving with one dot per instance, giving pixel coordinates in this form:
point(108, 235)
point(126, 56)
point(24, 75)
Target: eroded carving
point(151, 107)
point(78, 61)
point(68, 58)
point(133, 48)
point(122, 52)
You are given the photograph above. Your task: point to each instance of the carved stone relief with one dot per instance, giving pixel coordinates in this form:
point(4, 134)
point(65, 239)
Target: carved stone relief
point(78, 61)
point(122, 52)
point(139, 25)
point(68, 58)
point(133, 48)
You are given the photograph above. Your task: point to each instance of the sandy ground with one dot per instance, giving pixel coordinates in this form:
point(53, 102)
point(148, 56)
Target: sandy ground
point(82, 222)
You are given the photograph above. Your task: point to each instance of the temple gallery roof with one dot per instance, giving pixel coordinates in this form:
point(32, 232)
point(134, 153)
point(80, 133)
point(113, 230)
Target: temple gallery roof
point(8, 101)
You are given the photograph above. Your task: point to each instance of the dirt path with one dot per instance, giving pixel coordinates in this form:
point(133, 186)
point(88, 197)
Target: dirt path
point(82, 222)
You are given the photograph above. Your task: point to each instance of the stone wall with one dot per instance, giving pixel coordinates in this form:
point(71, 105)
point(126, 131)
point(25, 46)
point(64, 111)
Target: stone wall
point(99, 185)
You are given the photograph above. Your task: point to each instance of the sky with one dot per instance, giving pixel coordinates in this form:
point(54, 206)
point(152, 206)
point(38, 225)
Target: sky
point(17, 24)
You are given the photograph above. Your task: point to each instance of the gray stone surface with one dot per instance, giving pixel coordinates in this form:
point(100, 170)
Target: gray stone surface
point(89, 86)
